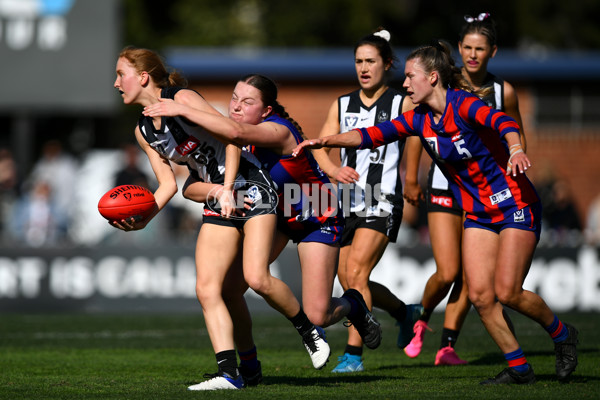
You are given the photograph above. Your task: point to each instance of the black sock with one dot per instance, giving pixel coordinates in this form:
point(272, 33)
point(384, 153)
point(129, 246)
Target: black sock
point(399, 313)
point(354, 308)
point(302, 323)
point(227, 362)
point(426, 314)
point(449, 337)
point(353, 350)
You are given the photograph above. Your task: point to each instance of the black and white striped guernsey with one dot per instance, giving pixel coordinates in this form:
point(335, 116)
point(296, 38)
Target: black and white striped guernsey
point(379, 189)
point(188, 144)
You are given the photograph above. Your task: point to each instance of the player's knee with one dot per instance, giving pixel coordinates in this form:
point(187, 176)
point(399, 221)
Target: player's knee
point(443, 278)
point(480, 300)
point(357, 278)
point(508, 296)
point(206, 294)
point(259, 283)
point(317, 317)
point(447, 278)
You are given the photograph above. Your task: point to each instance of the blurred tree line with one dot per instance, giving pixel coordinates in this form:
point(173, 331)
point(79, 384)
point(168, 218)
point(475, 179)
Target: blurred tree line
point(157, 24)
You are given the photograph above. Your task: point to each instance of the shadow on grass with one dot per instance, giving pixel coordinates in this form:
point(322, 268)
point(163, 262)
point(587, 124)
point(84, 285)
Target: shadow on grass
point(550, 351)
point(494, 358)
point(325, 381)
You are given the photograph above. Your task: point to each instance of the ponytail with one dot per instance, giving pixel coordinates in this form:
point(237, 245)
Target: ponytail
point(150, 62)
point(268, 92)
point(437, 57)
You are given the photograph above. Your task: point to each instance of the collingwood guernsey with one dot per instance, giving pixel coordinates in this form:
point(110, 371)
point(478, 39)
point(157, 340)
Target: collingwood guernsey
point(379, 188)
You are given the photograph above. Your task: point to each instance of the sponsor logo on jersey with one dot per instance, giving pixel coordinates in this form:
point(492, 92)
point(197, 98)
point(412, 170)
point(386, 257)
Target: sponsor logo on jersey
point(443, 201)
point(500, 196)
point(519, 216)
point(188, 146)
point(457, 137)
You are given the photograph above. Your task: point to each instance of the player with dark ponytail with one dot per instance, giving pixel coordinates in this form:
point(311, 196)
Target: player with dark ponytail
point(476, 45)
point(479, 151)
point(372, 220)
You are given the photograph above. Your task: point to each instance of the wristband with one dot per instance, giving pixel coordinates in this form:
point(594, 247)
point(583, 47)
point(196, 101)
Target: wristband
point(513, 153)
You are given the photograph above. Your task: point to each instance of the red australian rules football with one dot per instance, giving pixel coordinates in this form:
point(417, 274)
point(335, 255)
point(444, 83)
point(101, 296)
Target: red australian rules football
point(127, 201)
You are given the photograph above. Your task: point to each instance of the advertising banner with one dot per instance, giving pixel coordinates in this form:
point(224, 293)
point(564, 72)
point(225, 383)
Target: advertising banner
point(113, 279)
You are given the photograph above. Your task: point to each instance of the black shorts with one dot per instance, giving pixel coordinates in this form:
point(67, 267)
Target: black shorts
point(440, 200)
point(388, 225)
point(264, 199)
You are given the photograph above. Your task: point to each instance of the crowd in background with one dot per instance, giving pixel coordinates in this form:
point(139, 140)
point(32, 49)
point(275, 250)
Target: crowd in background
point(37, 206)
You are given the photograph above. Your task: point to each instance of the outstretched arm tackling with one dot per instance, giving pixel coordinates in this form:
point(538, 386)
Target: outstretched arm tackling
point(351, 139)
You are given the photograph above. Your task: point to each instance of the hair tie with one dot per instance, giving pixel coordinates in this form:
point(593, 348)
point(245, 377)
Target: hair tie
point(436, 45)
point(480, 17)
point(383, 34)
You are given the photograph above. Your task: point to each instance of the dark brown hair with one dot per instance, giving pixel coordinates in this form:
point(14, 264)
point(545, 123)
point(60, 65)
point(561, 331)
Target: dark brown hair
point(268, 92)
point(381, 44)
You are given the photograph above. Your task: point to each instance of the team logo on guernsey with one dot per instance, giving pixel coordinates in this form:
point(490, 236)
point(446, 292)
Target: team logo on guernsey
point(256, 197)
point(435, 151)
point(350, 121)
point(519, 216)
point(382, 116)
point(432, 142)
point(500, 196)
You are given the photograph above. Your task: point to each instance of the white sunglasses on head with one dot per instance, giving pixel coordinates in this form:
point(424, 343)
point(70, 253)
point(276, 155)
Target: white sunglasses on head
point(480, 17)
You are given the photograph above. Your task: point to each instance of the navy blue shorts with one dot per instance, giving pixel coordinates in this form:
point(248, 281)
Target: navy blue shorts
point(330, 232)
point(527, 219)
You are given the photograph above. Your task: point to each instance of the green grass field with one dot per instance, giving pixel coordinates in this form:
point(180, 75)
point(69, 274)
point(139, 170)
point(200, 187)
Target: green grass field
point(61, 356)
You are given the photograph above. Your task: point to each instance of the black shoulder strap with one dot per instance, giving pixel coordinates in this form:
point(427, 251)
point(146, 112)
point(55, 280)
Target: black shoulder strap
point(147, 128)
